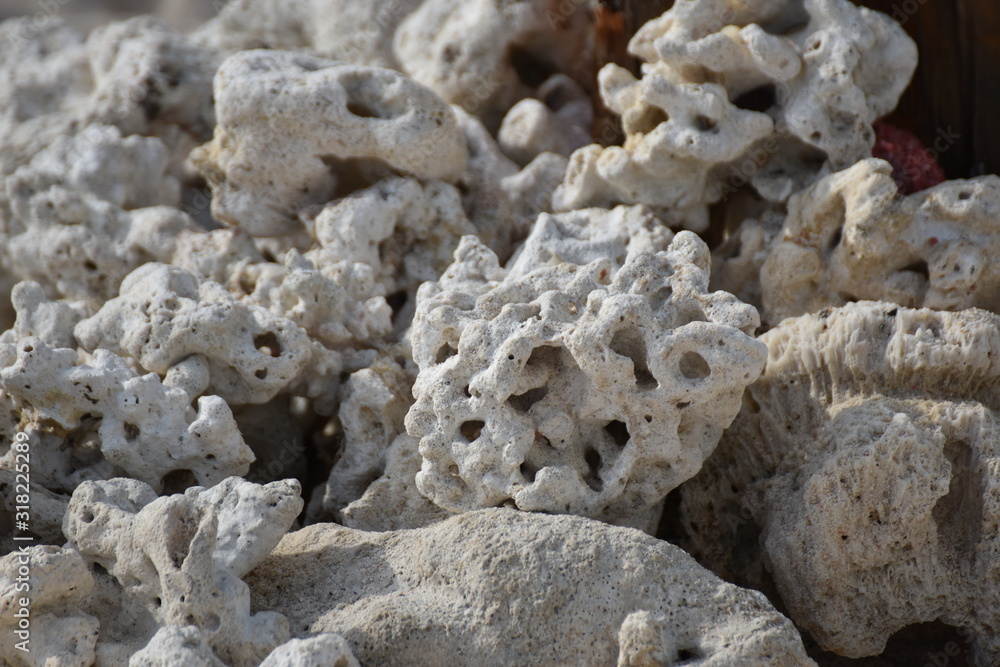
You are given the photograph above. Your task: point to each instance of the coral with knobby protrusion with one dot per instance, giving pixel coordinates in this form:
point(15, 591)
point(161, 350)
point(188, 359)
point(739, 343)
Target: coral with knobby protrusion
point(146, 428)
point(163, 315)
point(484, 55)
point(177, 561)
point(862, 473)
point(852, 236)
point(590, 377)
point(294, 130)
point(773, 94)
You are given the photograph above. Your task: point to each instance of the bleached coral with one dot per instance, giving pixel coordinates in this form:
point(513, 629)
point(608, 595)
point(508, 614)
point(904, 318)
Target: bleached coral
point(852, 236)
point(292, 129)
point(145, 428)
point(177, 561)
point(775, 94)
point(591, 377)
point(484, 56)
point(862, 471)
point(45, 586)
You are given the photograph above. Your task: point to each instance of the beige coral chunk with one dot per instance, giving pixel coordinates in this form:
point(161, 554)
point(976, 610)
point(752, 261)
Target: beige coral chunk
point(177, 561)
point(590, 377)
point(292, 129)
point(852, 236)
point(863, 471)
point(456, 592)
point(484, 55)
point(45, 586)
point(774, 94)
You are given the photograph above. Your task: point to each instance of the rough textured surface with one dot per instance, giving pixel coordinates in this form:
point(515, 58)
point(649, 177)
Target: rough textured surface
point(484, 55)
point(452, 594)
point(165, 315)
point(591, 377)
point(863, 471)
point(177, 561)
point(323, 650)
point(772, 94)
point(356, 32)
point(319, 117)
point(60, 632)
point(145, 428)
point(852, 236)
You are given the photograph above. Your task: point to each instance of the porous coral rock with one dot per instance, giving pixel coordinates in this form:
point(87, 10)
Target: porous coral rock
point(47, 508)
point(862, 471)
point(292, 129)
point(177, 561)
point(87, 210)
point(58, 631)
point(484, 56)
point(356, 32)
point(591, 377)
point(145, 428)
point(375, 401)
point(456, 592)
point(163, 315)
point(323, 650)
point(403, 229)
point(776, 94)
point(176, 646)
point(852, 236)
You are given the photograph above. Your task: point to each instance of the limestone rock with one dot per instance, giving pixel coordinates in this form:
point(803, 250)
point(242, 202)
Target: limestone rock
point(176, 561)
point(456, 593)
point(591, 376)
point(862, 473)
point(774, 94)
point(292, 129)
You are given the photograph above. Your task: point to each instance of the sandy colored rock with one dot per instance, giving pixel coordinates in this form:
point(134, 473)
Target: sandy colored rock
point(292, 129)
point(591, 376)
point(774, 94)
point(862, 473)
point(457, 592)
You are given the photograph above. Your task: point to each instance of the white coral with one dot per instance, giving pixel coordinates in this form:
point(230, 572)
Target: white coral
point(590, 378)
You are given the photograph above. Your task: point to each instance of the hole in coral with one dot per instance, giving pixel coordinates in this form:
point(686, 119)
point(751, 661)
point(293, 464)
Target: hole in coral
point(157, 602)
point(528, 472)
point(650, 118)
point(544, 356)
point(649, 419)
point(523, 402)
point(212, 622)
point(693, 366)
point(630, 344)
point(687, 655)
point(260, 374)
point(919, 267)
point(964, 195)
point(87, 516)
point(177, 481)
point(131, 431)
point(396, 301)
point(531, 68)
point(759, 99)
point(268, 344)
point(593, 477)
point(472, 429)
point(444, 353)
point(660, 297)
point(705, 124)
point(362, 109)
point(618, 432)
point(959, 513)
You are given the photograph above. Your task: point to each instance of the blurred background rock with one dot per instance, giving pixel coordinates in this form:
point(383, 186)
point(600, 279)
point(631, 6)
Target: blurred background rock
point(181, 14)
